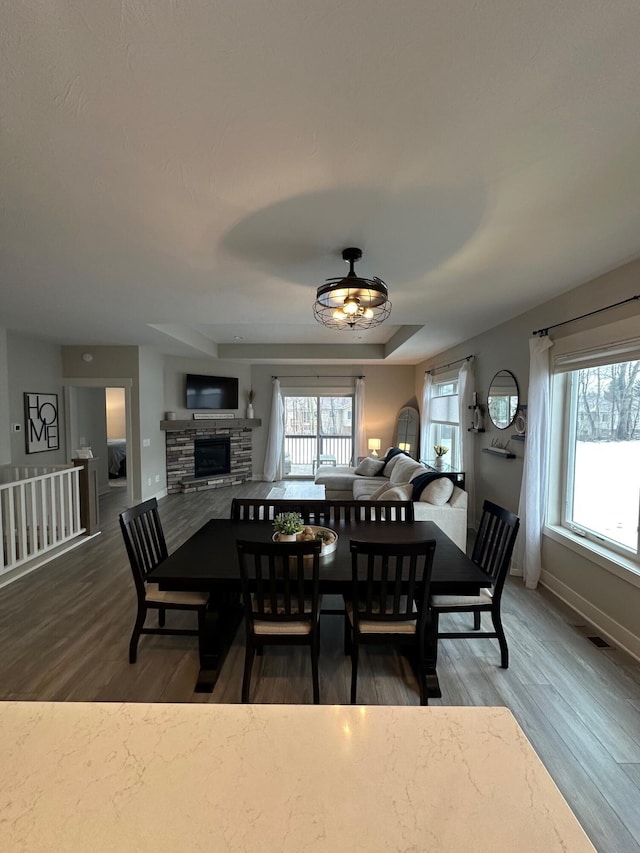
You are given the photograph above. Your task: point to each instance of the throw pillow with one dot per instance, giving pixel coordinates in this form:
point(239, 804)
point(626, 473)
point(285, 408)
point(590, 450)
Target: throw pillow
point(369, 467)
point(379, 491)
point(397, 493)
point(389, 456)
point(391, 464)
point(422, 480)
point(404, 469)
point(437, 492)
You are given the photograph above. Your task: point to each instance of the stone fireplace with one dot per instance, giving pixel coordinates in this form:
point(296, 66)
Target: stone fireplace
point(224, 445)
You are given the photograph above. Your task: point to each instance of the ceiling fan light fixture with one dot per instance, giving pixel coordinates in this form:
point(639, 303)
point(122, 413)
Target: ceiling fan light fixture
point(352, 302)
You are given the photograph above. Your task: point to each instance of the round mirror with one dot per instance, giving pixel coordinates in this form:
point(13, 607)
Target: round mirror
point(408, 431)
point(502, 399)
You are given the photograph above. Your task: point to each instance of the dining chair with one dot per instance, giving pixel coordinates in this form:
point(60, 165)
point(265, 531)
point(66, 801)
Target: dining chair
point(492, 552)
point(146, 549)
point(389, 600)
point(281, 600)
point(266, 509)
point(352, 510)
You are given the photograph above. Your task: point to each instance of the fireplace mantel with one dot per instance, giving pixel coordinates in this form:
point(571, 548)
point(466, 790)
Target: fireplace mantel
point(207, 423)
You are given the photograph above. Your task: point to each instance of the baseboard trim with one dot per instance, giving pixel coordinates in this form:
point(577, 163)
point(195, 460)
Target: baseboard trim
point(616, 633)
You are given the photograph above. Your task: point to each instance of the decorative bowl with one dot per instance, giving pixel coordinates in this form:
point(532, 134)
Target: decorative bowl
point(311, 531)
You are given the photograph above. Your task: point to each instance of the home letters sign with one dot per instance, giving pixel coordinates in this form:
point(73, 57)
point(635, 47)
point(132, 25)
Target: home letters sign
point(41, 422)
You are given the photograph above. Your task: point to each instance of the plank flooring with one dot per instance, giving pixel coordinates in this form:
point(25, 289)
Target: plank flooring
point(65, 628)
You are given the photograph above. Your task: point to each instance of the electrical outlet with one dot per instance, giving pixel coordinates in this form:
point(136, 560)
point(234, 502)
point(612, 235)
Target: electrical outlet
point(149, 481)
point(146, 442)
point(16, 427)
point(157, 478)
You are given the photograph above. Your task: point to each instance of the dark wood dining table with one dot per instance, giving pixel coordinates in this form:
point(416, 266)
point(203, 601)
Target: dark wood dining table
point(208, 561)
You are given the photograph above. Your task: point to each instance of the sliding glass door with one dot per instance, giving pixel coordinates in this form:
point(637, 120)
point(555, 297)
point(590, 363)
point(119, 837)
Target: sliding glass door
point(318, 430)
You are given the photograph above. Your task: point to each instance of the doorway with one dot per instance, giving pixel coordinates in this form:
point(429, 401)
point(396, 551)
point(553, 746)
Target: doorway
point(318, 430)
point(87, 425)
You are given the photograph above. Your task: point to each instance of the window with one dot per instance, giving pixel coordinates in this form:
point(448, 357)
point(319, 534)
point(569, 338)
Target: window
point(601, 454)
point(445, 427)
point(318, 428)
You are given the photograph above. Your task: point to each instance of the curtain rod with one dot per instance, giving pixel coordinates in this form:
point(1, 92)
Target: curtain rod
point(543, 332)
point(451, 363)
point(316, 376)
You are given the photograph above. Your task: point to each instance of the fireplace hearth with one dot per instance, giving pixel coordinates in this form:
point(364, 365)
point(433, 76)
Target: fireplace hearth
point(212, 456)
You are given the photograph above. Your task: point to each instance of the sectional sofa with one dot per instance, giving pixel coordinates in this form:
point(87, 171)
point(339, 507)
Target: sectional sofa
point(399, 477)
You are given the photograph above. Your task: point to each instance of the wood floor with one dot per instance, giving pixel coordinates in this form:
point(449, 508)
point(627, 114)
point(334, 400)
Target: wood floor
point(64, 633)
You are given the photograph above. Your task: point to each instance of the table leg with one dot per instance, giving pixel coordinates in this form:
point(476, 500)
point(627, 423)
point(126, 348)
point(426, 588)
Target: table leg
point(221, 623)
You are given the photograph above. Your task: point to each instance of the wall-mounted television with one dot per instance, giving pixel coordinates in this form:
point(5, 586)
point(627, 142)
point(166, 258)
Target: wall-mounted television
point(211, 392)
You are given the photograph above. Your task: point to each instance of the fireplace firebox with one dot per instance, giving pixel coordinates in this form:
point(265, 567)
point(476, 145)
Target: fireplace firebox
point(212, 456)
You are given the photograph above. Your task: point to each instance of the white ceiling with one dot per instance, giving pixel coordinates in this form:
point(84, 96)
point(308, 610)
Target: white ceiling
point(185, 174)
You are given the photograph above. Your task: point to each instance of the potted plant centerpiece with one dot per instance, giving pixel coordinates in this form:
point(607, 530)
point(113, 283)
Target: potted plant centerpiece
point(287, 525)
point(440, 451)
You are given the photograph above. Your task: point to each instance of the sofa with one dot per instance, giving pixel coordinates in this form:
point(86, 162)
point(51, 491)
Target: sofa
point(397, 476)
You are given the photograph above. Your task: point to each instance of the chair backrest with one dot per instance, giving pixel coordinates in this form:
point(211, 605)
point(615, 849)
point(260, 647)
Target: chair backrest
point(266, 509)
point(494, 543)
point(280, 581)
point(350, 510)
point(143, 539)
point(387, 578)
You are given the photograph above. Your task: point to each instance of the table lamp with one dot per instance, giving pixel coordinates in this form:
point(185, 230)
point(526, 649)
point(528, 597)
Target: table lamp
point(374, 446)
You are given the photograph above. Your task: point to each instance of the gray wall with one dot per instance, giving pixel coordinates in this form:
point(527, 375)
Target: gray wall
point(87, 414)
point(611, 602)
point(5, 423)
point(151, 403)
point(175, 370)
point(33, 366)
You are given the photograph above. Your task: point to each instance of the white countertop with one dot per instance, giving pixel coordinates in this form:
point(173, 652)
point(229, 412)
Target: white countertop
point(150, 777)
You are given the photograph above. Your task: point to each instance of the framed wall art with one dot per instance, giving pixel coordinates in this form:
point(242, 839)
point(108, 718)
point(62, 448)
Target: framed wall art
point(41, 422)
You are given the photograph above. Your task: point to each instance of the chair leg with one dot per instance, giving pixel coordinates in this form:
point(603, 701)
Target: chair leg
point(135, 636)
point(314, 670)
point(201, 623)
point(354, 671)
point(504, 650)
point(476, 620)
point(348, 641)
point(162, 612)
point(248, 664)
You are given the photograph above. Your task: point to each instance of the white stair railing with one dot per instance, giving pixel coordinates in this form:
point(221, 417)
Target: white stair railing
point(39, 510)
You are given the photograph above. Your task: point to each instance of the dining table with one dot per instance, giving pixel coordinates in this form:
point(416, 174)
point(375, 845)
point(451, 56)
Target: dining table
point(208, 561)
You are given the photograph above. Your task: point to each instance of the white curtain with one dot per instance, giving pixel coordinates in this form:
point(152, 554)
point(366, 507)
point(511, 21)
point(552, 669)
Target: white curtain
point(359, 425)
point(527, 558)
point(466, 387)
point(275, 439)
point(426, 451)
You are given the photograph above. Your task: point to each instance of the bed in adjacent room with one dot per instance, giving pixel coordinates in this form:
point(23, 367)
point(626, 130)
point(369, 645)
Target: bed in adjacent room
point(117, 457)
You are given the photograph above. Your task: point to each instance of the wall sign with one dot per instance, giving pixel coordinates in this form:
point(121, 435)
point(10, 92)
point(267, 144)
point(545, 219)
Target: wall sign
point(41, 422)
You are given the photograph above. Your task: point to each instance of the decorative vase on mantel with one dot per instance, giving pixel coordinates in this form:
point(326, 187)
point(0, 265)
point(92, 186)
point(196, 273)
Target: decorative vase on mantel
point(250, 411)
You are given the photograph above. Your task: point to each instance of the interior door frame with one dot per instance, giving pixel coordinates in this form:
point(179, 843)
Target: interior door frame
point(127, 384)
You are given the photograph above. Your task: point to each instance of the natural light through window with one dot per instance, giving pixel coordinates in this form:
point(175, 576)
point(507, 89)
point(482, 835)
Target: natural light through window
point(602, 498)
point(445, 420)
